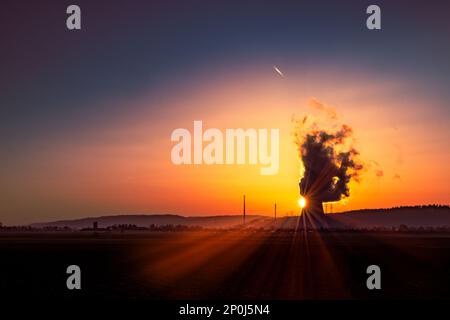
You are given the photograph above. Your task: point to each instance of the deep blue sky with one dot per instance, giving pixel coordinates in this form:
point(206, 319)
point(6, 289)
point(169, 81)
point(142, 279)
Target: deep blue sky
point(50, 75)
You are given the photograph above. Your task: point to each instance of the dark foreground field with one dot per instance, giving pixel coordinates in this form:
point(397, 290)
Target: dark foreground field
point(225, 265)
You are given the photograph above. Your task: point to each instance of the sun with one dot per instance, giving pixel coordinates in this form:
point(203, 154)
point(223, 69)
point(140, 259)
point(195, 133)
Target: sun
point(302, 202)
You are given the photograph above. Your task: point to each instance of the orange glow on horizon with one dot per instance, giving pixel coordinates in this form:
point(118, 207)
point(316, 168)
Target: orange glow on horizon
point(125, 167)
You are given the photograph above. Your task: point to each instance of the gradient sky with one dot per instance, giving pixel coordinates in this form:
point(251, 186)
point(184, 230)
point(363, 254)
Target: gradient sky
point(86, 116)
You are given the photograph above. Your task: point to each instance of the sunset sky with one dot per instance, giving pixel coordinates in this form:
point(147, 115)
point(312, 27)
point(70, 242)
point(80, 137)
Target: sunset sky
point(86, 116)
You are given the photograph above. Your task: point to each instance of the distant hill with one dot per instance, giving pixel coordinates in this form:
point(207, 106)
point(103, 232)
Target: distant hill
point(420, 216)
point(156, 219)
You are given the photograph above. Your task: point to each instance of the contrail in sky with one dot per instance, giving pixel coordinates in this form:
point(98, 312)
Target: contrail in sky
point(278, 71)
